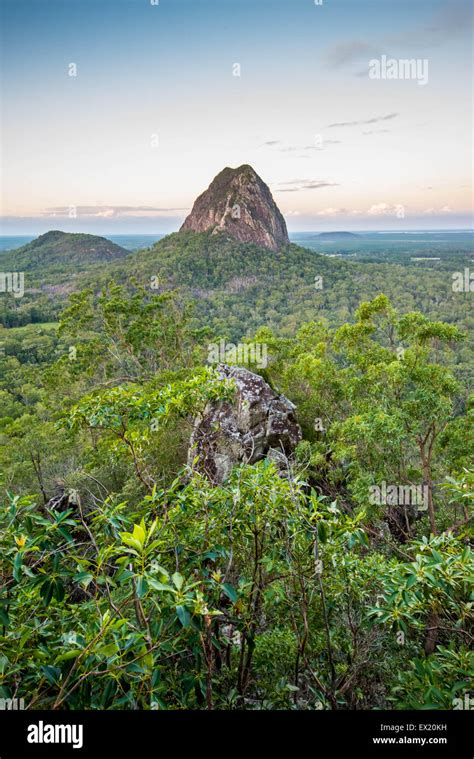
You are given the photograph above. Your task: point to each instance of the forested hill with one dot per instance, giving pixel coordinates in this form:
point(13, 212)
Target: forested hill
point(236, 288)
point(62, 251)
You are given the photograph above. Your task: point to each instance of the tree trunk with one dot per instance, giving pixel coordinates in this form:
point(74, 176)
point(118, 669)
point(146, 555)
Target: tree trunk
point(429, 484)
point(432, 633)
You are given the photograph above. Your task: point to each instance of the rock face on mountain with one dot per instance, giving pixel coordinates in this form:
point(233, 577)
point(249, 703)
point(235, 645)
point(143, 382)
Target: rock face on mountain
point(240, 204)
point(258, 423)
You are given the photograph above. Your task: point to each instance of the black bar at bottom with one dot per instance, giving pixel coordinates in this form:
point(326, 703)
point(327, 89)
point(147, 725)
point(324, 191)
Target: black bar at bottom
point(129, 734)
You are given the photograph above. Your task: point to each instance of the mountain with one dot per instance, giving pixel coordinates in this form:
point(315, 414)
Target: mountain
point(336, 236)
point(58, 248)
point(239, 203)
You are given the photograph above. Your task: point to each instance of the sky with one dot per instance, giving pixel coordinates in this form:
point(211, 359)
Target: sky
point(116, 114)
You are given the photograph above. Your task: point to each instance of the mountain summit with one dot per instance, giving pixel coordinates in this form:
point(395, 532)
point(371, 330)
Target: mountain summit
point(240, 204)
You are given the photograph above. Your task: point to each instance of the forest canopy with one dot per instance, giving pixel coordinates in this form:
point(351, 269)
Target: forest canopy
point(131, 581)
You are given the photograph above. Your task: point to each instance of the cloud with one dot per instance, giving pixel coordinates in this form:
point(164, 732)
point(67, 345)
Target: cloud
point(432, 211)
point(378, 131)
point(373, 120)
point(310, 147)
point(381, 118)
point(350, 51)
point(332, 212)
point(296, 148)
point(385, 209)
point(306, 184)
point(107, 212)
point(451, 21)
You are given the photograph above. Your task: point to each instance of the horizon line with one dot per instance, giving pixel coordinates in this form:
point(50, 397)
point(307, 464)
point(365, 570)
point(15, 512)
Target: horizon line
point(298, 232)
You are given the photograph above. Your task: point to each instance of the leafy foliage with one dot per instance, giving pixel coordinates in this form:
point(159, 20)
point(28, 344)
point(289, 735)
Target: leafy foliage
point(129, 581)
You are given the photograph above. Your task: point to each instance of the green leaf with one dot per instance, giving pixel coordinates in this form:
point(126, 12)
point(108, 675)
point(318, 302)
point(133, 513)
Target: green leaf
point(230, 592)
point(68, 655)
point(364, 538)
point(142, 586)
point(4, 619)
point(131, 540)
point(83, 578)
point(154, 567)
point(177, 580)
point(46, 591)
point(108, 650)
point(322, 532)
point(152, 529)
point(59, 590)
point(52, 674)
point(139, 533)
point(17, 566)
point(160, 585)
point(183, 615)
point(411, 581)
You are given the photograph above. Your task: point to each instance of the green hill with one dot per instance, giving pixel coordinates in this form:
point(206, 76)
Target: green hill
point(238, 287)
point(62, 248)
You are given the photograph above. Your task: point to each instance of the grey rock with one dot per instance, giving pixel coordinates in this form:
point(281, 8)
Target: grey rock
point(257, 423)
point(240, 204)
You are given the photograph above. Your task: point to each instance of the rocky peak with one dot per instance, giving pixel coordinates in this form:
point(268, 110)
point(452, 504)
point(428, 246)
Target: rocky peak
point(239, 203)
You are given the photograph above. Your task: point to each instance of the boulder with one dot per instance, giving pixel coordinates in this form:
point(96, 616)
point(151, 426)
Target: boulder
point(256, 424)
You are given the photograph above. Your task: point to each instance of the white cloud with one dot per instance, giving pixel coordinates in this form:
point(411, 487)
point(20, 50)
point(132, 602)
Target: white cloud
point(444, 209)
point(107, 212)
point(332, 211)
point(385, 209)
point(373, 120)
point(305, 184)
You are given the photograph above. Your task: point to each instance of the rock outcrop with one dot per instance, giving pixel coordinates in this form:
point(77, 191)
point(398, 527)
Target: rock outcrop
point(256, 424)
point(240, 204)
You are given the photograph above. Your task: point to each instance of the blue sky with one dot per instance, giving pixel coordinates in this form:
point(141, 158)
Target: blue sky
point(156, 110)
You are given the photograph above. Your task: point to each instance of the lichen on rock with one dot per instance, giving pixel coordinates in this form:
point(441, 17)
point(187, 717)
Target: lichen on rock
point(256, 424)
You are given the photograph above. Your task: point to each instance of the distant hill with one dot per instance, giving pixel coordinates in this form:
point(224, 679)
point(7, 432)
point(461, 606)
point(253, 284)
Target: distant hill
point(238, 287)
point(63, 248)
point(336, 235)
